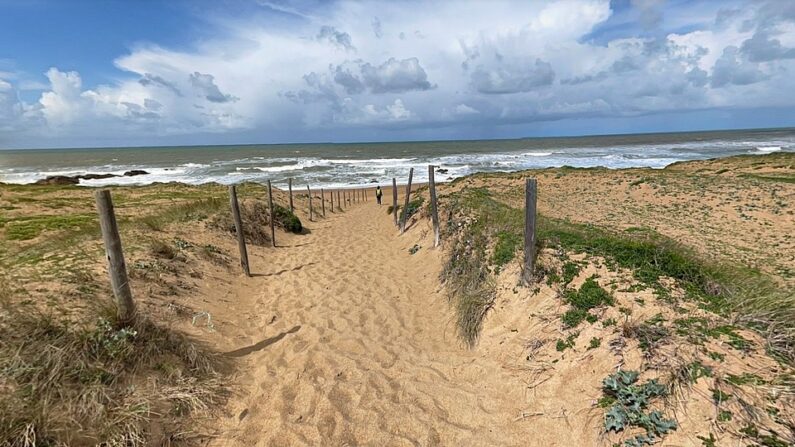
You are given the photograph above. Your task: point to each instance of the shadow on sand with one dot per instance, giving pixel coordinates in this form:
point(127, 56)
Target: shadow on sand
point(242, 352)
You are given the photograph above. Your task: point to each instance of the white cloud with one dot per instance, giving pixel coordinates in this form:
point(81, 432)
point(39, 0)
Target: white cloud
point(383, 64)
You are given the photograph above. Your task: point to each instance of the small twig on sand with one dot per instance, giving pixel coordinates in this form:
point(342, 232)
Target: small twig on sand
point(525, 415)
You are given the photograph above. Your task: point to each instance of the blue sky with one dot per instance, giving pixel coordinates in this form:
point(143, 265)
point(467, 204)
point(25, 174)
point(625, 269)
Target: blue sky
point(127, 73)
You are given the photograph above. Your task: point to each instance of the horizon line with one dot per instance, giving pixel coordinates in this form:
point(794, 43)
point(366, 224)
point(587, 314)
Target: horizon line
point(597, 135)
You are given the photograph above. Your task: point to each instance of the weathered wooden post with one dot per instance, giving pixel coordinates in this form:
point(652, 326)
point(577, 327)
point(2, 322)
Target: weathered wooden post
point(434, 209)
point(290, 187)
point(406, 203)
point(331, 198)
point(241, 238)
point(309, 193)
point(394, 200)
point(270, 210)
point(531, 194)
point(339, 200)
point(323, 202)
point(117, 269)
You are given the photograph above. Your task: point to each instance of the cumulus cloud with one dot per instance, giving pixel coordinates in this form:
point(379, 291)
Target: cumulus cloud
point(440, 65)
point(205, 84)
point(731, 68)
point(149, 79)
point(338, 38)
point(395, 76)
point(511, 78)
point(762, 48)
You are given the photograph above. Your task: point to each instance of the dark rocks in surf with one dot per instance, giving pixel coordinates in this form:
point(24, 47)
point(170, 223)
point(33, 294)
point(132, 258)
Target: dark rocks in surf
point(58, 180)
point(62, 180)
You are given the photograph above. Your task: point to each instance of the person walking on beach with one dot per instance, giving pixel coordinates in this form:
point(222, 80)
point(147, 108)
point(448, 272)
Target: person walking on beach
point(378, 194)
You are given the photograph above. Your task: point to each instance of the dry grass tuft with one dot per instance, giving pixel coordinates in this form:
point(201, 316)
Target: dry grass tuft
point(256, 221)
point(82, 383)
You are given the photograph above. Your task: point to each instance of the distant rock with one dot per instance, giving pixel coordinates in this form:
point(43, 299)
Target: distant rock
point(58, 180)
point(441, 171)
point(75, 179)
point(94, 176)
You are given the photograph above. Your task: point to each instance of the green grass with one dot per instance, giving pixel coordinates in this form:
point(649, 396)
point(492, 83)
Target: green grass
point(199, 209)
point(413, 207)
point(505, 248)
point(30, 227)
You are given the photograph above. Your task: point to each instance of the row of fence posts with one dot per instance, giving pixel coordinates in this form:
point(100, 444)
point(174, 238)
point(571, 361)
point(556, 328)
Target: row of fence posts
point(117, 268)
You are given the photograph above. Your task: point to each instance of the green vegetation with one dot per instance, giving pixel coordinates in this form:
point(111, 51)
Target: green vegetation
point(766, 440)
point(570, 271)
point(29, 227)
point(467, 272)
point(697, 370)
point(771, 178)
point(589, 296)
point(199, 209)
point(595, 343)
point(719, 396)
point(708, 442)
point(505, 248)
point(744, 379)
point(477, 218)
point(562, 345)
point(414, 205)
point(286, 219)
point(629, 409)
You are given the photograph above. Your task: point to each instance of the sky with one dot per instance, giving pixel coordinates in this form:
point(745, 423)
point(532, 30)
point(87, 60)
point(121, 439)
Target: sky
point(83, 73)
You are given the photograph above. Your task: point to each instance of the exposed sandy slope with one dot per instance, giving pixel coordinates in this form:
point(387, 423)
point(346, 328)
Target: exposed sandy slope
point(345, 339)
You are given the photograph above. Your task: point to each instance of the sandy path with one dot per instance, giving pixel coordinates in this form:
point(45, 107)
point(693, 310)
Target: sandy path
point(350, 343)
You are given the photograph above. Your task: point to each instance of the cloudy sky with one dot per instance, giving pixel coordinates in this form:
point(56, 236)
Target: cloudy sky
point(118, 73)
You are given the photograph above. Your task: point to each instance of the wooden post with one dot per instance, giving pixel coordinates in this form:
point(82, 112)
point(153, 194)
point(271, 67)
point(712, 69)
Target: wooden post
point(531, 194)
point(339, 200)
point(309, 192)
point(241, 238)
point(394, 200)
point(331, 198)
point(117, 269)
point(290, 187)
point(406, 203)
point(434, 210)
point(323, 202)
point(270, 210)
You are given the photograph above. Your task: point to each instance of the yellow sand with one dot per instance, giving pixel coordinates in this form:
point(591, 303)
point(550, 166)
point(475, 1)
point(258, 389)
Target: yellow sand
point(345, 339)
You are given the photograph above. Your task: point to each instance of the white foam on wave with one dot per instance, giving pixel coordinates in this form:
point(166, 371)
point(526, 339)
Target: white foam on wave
point(537, 154)
point(768, 149)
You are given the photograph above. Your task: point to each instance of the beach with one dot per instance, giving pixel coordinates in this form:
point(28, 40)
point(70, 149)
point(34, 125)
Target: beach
point(347, 332)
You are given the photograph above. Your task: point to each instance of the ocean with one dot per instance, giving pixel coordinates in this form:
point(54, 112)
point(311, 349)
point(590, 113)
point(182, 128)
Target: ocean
point(361, 164)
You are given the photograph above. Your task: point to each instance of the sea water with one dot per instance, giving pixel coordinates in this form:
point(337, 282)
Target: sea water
point(361, 164)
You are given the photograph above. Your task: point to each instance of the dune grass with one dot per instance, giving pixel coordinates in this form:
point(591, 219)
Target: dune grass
point(93, 382)
point(479, 221)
